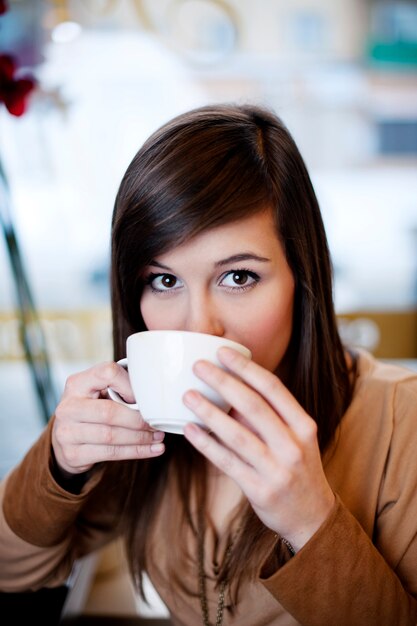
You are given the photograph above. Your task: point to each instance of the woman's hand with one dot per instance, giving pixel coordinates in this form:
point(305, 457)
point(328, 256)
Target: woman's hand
point(267, 445)
point(90, 428)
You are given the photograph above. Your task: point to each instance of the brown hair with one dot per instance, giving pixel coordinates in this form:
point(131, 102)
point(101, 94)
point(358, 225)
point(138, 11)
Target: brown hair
point(208, 167)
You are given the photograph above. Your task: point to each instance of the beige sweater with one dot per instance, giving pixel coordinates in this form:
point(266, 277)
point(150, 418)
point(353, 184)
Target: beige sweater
point(359, 569)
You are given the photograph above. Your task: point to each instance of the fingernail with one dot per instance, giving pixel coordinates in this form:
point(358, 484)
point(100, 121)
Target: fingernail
point(192, 429)
point(157, 447)
point(202, 367)
point(158, 435)
point(226, 353)
point(191, 398)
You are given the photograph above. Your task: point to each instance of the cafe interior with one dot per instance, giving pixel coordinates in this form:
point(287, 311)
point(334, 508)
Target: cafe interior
point(97, 77)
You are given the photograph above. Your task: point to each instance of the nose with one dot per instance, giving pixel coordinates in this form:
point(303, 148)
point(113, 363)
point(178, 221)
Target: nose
point(204, 317)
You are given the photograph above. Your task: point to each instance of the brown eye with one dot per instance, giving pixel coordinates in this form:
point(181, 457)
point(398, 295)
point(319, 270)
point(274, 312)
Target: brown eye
point(168, 280)
point(163, 282)
point(240, 278)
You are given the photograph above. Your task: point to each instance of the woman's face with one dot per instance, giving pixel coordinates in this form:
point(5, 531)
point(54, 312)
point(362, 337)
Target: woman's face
point(232, 281)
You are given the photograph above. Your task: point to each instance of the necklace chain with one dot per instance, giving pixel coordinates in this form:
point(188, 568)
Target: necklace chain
point(202, 589)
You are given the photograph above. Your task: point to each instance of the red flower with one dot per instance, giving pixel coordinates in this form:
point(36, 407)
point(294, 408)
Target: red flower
point(3, 7)
point(14, 91)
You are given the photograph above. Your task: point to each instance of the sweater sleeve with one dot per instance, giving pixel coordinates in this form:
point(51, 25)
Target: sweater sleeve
point(44, 529)
point(339, 577)
point(342, 575)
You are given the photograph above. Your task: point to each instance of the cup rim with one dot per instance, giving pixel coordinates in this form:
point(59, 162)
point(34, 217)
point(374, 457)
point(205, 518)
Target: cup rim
point(163, 331)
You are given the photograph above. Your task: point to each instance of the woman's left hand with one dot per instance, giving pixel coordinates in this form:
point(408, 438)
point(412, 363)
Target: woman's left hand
point(268, 446)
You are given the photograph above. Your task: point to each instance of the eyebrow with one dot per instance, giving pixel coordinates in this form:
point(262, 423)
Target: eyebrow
point(244, 256)
point(161, 265)
point(234, 258)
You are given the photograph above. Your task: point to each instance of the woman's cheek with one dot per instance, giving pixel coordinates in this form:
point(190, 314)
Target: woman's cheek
point(269, 339)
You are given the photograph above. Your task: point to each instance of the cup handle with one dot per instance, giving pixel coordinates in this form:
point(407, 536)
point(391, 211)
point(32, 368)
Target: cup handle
point(113, 395)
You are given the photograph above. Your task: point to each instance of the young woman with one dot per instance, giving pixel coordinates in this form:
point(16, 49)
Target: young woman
point(297, 507)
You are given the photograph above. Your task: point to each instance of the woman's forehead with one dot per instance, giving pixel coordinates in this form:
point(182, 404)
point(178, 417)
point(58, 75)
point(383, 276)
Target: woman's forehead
point(252, 235)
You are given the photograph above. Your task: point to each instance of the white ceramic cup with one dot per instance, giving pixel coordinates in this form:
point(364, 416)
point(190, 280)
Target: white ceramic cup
point(160, 364)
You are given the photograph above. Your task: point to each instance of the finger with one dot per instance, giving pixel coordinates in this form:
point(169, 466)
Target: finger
point(268, 385)
point(249, 402)
point(100, 411)
point(239, 439)
point(87, 455)
point(91, 382)
point(102, 434)
point(219, 455)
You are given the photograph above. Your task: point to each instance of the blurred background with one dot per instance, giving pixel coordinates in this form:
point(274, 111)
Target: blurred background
point(342, 74)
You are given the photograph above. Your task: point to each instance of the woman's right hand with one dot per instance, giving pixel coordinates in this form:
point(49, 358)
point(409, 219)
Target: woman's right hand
point(90, 428)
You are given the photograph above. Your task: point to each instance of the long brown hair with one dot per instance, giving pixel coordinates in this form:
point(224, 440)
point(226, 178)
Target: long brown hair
point(207, 167)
